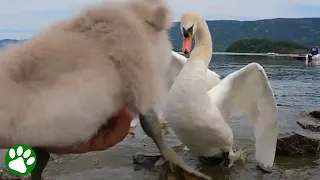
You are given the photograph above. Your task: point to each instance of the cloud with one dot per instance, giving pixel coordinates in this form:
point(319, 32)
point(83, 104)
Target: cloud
point(26, 18)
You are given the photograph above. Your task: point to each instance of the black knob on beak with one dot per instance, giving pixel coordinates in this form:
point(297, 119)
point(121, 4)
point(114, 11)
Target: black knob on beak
point(185, 33)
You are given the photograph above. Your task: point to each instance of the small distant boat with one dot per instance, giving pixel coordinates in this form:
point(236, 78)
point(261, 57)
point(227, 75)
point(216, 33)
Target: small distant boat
point(272, 54)
point(313, 56)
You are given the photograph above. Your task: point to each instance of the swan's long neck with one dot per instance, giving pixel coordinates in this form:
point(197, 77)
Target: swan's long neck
point(203, 43)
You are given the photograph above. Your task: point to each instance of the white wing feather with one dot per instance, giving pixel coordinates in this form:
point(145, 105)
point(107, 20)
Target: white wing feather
point(247, 91)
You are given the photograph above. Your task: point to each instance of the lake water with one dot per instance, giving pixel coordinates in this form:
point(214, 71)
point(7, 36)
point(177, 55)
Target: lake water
point(296, 88)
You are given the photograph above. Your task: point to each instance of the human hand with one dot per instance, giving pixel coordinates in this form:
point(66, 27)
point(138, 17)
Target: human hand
point(109, 135)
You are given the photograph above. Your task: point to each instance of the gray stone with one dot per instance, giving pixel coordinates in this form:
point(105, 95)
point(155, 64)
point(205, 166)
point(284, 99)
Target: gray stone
point(310, 125)
point(56, 158)
point(297, 144)
point(309, 121)
point(315, 114)
point(5, 174)
point(210, 160)
point(146, 158)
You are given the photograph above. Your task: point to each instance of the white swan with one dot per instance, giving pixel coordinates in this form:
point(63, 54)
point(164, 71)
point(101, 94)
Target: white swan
point(174, 69)
point(199, 117)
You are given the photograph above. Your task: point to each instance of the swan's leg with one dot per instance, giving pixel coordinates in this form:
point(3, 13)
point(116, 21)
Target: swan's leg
point(150, 124)
point(42, 159)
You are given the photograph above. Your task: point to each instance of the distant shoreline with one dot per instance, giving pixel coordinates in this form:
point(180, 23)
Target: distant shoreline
point(266, 45)
point(253, 54)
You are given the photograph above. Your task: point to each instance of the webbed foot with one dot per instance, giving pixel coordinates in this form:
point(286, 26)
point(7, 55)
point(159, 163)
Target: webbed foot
point(176, 169)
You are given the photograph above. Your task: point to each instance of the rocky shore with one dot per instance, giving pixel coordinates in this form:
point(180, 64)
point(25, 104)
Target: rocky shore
point(302, 143)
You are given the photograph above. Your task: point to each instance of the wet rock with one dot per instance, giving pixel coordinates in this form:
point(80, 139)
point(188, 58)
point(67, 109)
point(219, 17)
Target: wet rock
point(297, 144)
point(315, 114)
point(146, 158)
point(310, 125)
point(56, 158)
point(210, 160)
point(96, 162)
point(5, 174)
point(309, 121)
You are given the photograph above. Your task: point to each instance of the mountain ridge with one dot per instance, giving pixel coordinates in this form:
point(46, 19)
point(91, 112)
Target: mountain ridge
point(305, 31)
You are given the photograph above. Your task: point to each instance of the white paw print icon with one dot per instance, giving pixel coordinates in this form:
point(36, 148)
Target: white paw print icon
point(21, 160)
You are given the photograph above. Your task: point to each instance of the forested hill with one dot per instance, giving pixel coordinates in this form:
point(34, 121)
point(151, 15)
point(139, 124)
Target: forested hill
point(266, 45)
point(305, 31)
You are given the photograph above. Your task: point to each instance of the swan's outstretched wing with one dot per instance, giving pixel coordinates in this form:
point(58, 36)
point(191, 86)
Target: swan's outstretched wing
point(176, 65)
point(247, 91)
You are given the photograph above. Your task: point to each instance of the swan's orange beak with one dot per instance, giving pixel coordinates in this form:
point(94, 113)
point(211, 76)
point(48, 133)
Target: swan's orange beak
point(186, 44)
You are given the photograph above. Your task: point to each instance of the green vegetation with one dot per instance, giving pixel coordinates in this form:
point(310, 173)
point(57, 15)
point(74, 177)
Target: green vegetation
point(266, 45)
point(304, 31)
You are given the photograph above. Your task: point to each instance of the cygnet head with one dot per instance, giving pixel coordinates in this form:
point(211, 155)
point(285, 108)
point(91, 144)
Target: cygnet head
point(157, 21)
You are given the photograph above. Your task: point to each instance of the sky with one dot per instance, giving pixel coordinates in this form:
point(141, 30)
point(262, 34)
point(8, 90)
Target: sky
point(22, 19)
